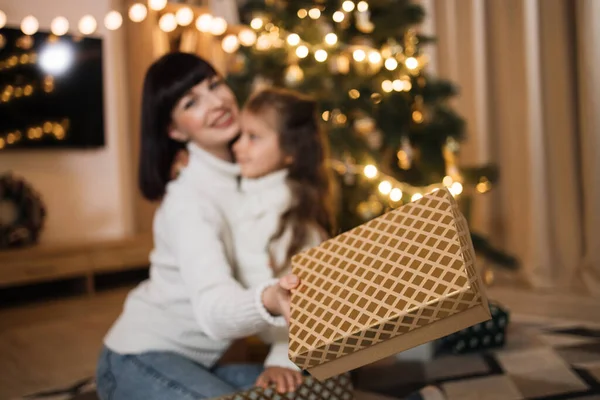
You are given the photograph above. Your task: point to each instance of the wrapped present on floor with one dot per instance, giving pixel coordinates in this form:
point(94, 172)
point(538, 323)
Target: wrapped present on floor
point(396, 282)
point(483, 336)
point(336, 388)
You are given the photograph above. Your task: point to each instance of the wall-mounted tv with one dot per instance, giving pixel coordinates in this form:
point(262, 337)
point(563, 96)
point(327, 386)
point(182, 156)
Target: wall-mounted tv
point(51, 91)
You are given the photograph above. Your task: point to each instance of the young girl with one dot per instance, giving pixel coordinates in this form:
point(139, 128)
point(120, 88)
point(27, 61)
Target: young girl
point(287, 201)
point(177, 324)
point(287, 206)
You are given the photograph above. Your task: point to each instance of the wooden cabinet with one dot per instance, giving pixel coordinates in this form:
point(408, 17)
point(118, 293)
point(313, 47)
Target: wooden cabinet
point(44, 263)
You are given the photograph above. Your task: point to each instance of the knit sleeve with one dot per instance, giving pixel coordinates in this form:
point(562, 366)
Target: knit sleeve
point(278, 353)
point(223, 309)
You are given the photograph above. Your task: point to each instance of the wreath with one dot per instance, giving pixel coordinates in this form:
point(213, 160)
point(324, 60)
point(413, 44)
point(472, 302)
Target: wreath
point(22, 213)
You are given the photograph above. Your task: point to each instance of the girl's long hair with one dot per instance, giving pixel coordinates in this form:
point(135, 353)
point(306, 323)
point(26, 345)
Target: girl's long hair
point(300, 137)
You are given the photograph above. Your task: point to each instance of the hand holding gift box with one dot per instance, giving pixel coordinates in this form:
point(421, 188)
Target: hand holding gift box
point(398, 281)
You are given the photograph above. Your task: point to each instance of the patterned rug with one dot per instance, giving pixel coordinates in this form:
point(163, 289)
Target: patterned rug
point(543, 360)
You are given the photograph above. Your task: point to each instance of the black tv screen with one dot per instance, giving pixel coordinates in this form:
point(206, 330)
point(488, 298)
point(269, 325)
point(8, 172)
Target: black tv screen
point(51, 91)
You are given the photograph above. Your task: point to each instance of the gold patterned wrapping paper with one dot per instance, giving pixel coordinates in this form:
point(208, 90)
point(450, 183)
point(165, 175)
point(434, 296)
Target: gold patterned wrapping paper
point(393, 283)
point(336, 388)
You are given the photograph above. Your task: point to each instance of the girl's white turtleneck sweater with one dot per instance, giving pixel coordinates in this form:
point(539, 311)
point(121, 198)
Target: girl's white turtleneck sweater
point(253, 225)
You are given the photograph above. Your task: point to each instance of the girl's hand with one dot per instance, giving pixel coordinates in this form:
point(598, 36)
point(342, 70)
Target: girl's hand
point(286, 380)
point(276, 298)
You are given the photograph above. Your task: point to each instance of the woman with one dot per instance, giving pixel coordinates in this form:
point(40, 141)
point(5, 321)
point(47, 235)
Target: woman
point(176, 325)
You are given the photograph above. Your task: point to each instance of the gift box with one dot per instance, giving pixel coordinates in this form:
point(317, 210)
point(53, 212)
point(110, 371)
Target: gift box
point(336, 388)
point(396, 282)
point(484, 336)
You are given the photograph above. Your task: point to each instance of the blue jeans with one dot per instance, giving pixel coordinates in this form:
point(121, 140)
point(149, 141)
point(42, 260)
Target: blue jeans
point(164, 375)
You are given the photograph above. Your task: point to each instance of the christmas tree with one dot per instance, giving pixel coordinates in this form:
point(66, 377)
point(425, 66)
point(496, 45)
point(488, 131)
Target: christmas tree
point(393, 134)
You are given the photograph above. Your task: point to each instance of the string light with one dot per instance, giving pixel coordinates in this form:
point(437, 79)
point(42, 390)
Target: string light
point(407, 85)
point(374, 57)
point(230, 44)
point(48, 84)
point(321, 55)
point(417, 116)
point(157, 5)
point(263, 42)
point(447, 181)
point(370, 171)
point(58, 131)
point(484, 185)
point(456, 188)
point(59, 26)
point(25, 42)
point(293, 39)
point(399, 188)
point(302, 51)
point(138, 12)
point(314, 13)
point(247, 37)
point(396, 194)
point(338, 16)
point(302, 13)
point(218, 26)
point(398, 85)
point(411, 63)
point(167, 23)
point(325, 115)
point(184, 16)
point(348, 6)
point(362, 6)
point(340, 119)
point(294, 74)
point(416, 196)
point(113, 20)
point(87, 25)
point(359, 54)
point(331, 39)
point(391, 64)
point(387, 86)
point(203, 22)
point(385, 187)
point(2, 19)
point(256, 23)
point(30, 25)
point(354, 94)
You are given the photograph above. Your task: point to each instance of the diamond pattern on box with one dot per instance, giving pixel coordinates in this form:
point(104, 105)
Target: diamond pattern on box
point(399, 272)
point(336, 388)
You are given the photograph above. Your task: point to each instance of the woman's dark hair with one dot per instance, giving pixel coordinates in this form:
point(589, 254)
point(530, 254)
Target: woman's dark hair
point(166, 82)
point(300, 137)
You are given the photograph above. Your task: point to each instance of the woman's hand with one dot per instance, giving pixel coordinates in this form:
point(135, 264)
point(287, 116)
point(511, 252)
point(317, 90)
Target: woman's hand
point(276, 298)
point(286, 380)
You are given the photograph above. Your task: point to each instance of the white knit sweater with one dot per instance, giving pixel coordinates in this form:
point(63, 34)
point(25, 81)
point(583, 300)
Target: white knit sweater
point(255, 223)
point(192, 303)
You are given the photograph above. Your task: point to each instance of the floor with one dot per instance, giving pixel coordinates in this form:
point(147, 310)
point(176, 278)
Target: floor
point(55, 344)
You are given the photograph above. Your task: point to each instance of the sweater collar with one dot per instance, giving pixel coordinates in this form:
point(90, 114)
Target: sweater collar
point(268, 182)
point(211, 169)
